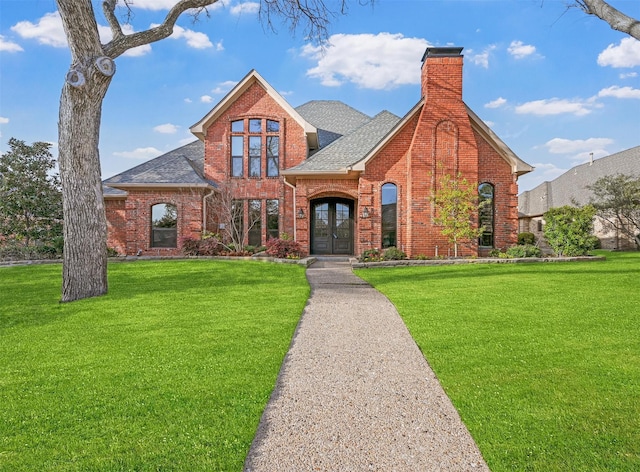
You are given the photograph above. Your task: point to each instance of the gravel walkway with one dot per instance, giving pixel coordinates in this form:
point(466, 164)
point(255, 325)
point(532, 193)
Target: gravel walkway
point(355, 393)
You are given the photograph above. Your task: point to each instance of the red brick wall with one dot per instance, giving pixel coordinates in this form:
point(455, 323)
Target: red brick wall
point(137, 209)
point(116, 224)
point(496, 171)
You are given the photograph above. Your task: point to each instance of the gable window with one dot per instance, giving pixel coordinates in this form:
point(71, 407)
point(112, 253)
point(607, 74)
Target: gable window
point(273, 230)
point(237, 156)
point(257, 141)
point(486, 196)
point(164, 225)
point(389, 215)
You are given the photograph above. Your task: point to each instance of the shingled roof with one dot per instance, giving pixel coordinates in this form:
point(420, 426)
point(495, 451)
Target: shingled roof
point(182, 167)
point(572, 185)
point(349, 149)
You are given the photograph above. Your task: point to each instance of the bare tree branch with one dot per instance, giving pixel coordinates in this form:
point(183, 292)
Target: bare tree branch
point(121, 44)
point(108, 7)
point(617, 20)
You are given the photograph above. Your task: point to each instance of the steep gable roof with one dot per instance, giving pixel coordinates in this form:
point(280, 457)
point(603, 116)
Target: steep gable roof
point(182, 167)
point(572, 185)
point(332, 118)
point(345, 152)
point(251, 78)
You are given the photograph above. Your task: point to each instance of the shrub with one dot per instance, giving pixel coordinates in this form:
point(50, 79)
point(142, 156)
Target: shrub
point(526, 250)
point(210, 246)
point(283, 248)
point(112, 252)
point(526, 238)
point(568, 230)
point(495, 253)
point(190, 246)
point(393, 254)
point(371, 255)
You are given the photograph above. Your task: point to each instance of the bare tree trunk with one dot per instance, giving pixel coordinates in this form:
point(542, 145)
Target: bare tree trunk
point(85, 230)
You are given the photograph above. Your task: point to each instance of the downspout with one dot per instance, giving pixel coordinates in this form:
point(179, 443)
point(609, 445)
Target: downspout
point(204, 209)
point(295, 216)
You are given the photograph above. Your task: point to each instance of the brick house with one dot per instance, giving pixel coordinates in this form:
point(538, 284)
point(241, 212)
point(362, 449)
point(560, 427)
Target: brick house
point(337, 180)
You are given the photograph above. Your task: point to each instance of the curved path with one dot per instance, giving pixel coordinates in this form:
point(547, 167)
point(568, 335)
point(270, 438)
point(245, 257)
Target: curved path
point(355, 393)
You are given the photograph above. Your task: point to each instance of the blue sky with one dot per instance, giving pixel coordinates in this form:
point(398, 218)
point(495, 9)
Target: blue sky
point(553, 83)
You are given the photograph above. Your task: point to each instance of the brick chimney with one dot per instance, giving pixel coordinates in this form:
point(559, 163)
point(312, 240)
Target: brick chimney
point(442, 73)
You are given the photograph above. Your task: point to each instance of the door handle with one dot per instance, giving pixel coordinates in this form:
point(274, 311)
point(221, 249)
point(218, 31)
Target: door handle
point(335, 236)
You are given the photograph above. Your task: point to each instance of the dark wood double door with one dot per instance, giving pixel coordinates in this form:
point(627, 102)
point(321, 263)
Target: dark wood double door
point(332, 226)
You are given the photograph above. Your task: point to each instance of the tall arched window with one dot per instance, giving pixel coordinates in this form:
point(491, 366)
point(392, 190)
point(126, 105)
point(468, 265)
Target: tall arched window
point(164, 225)
point(389, 215)
point(486, 194)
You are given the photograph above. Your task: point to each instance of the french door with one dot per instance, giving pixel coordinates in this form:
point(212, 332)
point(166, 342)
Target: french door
point(332, 226)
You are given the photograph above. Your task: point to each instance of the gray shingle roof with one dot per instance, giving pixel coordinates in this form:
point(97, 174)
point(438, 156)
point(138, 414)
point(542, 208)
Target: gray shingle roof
point(332, 118)
point(182, 166)
point(350, 149)
point(572, 185)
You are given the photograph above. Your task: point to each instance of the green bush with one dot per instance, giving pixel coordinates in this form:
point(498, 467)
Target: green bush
point(495, 253)
point(526, 250)
point(568, 230)
point(371, 255)
point(393, 254)
point(526, 238)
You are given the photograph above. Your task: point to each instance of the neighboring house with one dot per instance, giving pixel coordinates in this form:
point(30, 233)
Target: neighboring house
point(333, 178)
point(571, 188)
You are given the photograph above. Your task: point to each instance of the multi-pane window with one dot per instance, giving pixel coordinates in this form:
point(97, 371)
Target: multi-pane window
point(486, 213)
point(255, 152)
point(256, 141)
point(273, 229)
point(389, 215)
point(255, 222)
point(164, 225)
point(237, 148)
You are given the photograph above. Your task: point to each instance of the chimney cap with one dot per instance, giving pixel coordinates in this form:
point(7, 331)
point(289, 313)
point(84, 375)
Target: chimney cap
point(449, 51)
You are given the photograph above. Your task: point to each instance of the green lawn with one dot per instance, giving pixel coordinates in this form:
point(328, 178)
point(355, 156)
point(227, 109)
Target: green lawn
point(541, 360)
point(170, 371)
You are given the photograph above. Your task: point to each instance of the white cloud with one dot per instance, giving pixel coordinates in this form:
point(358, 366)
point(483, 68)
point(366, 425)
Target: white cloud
point(139, 153)
point(246, 7)
point(625, 54)
point(3, 120)
point(47, 31)
point(188, 100)
point(9, 46)
point(223, 87)
point(286, 93)
point(571, 146)
point(619, 92)
point(219, 46)
point(481, 59)
point(497, 103)
point(519, 50)
point(194, 39)
point(628, 75)
point(206, 99)
point(556, 106)
point(380, 61)
point(166, 128)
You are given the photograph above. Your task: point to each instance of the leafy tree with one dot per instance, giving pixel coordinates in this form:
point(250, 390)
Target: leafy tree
point(92, 69)
point(617, 201)
point(30, 198)
point(569, 230)
point(457, 208)
point(615, 18)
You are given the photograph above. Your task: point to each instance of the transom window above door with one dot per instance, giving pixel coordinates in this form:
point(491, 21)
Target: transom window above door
point(255, 148)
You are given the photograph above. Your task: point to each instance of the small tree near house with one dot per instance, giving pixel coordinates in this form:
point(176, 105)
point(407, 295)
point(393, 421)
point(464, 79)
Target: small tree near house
point(569, 230)
point(235, 218)
point(456, 204)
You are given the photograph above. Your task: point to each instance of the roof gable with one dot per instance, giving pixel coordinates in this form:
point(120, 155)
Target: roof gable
point(199, 128)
